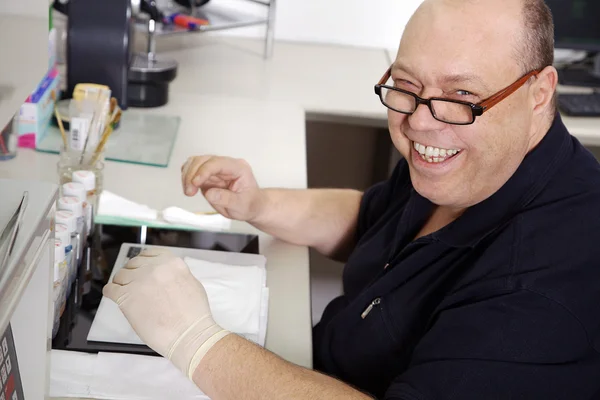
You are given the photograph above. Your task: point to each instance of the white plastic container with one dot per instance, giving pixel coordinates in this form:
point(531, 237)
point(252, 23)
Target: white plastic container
point(75, 205)
point(88, 180)
point(60, 281)
point(68, 219)
point(77, 189)
point(59, 260)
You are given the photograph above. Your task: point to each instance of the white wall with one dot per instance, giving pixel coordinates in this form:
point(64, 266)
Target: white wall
point(30, 8)
point(363, 23)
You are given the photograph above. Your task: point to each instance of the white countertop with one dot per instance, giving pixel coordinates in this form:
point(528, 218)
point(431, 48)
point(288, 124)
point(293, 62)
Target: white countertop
point(331, 82)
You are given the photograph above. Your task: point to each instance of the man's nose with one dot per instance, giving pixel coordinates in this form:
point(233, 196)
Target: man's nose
point(422, 120)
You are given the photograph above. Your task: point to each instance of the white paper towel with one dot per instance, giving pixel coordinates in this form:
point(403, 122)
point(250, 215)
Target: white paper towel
point(112, 205)
point(179, 216)
point(114, 376)
point(128, 377)
point(117, 206)
point(71, 373)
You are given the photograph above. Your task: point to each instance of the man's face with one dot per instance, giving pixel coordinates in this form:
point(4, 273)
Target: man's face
point(464, 51)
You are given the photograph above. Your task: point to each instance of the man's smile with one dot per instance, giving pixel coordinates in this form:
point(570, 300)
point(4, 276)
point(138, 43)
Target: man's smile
point(433, 154)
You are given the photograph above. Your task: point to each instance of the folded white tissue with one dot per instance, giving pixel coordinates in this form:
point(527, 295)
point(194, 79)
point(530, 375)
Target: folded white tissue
point(112, 205)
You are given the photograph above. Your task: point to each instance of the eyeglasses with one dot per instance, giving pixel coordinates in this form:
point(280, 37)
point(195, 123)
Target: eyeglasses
point(449, 111)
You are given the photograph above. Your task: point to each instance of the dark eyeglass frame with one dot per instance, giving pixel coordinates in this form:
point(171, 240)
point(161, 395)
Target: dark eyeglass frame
point(477, 110)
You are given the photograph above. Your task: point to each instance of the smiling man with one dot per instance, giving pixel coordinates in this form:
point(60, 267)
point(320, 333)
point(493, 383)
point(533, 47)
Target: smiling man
point(472, 273)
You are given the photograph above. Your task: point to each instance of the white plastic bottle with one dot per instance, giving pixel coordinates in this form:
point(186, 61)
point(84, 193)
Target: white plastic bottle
point(77, 189)
point(75, 205)
point(88, 179)
point(60, 260)
point(68, 219)
point(60, 273)
point(62, 233)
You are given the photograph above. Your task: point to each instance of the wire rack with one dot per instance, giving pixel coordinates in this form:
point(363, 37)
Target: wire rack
point(220, 17)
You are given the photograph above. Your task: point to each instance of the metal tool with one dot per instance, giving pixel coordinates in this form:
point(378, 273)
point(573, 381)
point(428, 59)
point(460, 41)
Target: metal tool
point(9, 236)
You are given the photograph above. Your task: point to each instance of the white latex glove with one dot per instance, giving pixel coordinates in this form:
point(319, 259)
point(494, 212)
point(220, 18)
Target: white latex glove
point(167, 307)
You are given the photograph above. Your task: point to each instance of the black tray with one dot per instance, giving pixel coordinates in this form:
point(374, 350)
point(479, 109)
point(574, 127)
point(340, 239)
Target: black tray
point(81, 308)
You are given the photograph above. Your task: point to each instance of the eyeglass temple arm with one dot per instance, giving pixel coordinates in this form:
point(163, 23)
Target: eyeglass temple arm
point(385, 76)
point(501, 95)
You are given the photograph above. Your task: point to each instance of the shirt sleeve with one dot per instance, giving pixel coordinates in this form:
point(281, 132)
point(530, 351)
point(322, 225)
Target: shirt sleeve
point(377, 199)
point(517, 345)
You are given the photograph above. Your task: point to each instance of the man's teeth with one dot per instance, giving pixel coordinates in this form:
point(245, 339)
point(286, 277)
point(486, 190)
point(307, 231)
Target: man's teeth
point(434, 154)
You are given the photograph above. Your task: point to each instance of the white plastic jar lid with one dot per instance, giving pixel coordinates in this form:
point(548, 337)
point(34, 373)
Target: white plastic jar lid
point(71, 203)
point(87, 178)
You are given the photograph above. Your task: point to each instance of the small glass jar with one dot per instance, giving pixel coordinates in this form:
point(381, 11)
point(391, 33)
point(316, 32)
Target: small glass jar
point(70, 161)
point(8, 139)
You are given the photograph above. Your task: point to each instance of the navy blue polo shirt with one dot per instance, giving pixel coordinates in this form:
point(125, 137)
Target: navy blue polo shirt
point(503, 303)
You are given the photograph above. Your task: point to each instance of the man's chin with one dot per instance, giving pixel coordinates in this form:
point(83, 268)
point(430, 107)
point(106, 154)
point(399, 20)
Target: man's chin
point(439, 193)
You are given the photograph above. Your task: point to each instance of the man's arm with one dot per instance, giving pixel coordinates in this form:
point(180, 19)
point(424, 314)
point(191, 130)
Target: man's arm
point(235, 368)
point(321, 218)
point(169, 310)
point(324, 219)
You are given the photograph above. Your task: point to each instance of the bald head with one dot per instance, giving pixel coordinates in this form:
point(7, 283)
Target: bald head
point(525, 25)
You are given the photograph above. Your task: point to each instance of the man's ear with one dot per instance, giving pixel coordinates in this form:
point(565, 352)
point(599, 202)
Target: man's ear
point(543, 89)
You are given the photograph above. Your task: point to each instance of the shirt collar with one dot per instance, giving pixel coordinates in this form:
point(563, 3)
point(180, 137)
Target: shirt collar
point(527, 182)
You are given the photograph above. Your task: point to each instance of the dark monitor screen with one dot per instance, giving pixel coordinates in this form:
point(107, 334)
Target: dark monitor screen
point(576, 24)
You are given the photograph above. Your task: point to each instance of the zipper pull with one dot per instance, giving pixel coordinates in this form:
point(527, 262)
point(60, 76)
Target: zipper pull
point(374, 303)
point(386, 266)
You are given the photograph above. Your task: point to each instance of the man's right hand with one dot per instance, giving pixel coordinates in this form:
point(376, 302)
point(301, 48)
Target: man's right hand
point(228, 184)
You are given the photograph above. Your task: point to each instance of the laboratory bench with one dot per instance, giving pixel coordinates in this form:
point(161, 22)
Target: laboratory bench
point(271, 137)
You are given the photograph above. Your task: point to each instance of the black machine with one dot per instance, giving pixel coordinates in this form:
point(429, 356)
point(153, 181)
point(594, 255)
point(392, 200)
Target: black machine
point(577, 27)
point(580, 105)
point(99, 45)
point(100, 50)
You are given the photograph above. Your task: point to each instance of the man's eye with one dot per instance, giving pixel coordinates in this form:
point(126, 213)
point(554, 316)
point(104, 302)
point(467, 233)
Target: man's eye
point(464, 93)
point(403, 83)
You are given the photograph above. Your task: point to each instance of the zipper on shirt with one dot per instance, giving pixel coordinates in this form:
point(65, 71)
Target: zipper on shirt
point(374, 303)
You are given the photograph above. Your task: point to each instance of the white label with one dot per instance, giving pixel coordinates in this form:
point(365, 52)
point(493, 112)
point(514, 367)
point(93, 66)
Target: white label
point(78, 132)
point(28, 113)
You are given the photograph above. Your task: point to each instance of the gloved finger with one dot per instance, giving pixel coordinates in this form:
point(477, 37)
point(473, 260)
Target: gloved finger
point(150, 256)
point(125, 276)
point(154, 252)
point(116, 293)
